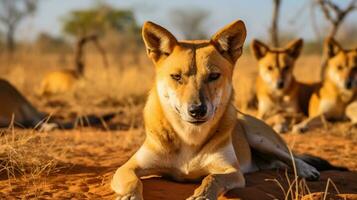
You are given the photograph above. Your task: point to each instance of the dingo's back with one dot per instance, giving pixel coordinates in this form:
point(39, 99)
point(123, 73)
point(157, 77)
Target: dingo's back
point(15, 107)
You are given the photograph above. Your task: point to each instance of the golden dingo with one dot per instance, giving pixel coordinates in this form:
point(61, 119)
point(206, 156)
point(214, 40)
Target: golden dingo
point(279, 94)
point(192, 129)
point(336, 98)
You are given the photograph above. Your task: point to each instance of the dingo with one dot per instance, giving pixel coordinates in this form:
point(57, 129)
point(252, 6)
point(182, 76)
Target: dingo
point(16, 109)
point(277, 90)
point(62, 81)
point(192, 128)
point(338, 89)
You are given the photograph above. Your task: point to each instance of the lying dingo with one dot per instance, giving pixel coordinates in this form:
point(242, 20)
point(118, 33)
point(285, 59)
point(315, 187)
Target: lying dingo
point(336, 98)
point(16, 109)
point(192, 128)
point(279, 94)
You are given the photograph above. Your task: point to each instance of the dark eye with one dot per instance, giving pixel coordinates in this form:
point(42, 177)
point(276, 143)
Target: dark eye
point(213, 76)
point(270, 68)
point(340, 68)
point(176, 77)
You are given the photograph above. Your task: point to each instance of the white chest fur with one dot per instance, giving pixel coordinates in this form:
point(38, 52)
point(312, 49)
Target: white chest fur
point(187, 163)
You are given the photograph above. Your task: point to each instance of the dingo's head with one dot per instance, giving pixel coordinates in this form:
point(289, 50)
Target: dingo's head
point(341, 65)
point(193, 78)
point(276, 65)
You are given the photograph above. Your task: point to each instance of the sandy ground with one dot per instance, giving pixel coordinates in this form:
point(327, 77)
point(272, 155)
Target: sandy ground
point(92, 155)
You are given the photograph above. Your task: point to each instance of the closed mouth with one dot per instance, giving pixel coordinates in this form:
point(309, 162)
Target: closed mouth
point(197, 122)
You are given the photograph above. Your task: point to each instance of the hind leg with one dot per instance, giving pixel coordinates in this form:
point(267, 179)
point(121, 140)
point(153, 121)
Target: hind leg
point(351, 112)
point(275, 161)
point(279, 123)
point(309, 124)
point(279, 151)
point(263, 139)
point(264, 164)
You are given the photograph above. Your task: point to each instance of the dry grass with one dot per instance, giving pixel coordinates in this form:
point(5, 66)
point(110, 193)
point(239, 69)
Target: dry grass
point(298, 189)
point(122, 88)
point(28, 155)
point(35, 164)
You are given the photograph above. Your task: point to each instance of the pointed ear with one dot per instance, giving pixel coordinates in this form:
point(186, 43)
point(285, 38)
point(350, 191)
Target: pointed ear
point(159, 42)
point(332, 47)
point(230, 39)
point(294, 48)
point(259, 49)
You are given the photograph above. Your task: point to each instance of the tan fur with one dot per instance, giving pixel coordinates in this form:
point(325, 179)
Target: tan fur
point(58, 82)
point(274, 100)
point(16, 108)
point(351, 112)
point(215, 146)
point(334, 96)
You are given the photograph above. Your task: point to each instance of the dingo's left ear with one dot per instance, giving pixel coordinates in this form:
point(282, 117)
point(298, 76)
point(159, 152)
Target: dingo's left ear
point(259, 49)
point(230, 39)
point(332, 47)
point(294, 48)
point(159, 42)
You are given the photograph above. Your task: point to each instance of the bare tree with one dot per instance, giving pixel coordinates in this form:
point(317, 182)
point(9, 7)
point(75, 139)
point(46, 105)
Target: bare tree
point(79, 53)
point(12, 12)
point(274, 29)
point(335, 14)
point(190, 22)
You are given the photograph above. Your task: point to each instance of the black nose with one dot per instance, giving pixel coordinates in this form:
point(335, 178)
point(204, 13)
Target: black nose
point(197, 111)
point(280, 84)
point(349, 84)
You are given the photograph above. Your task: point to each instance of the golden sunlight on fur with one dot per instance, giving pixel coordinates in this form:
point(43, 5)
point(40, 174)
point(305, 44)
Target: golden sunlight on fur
point(338, 88)
point(189, 116)
point(278, 92)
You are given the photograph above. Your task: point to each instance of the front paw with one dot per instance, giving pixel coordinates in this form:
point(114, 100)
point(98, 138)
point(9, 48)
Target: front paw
point(129, 197)
point(201, 197)
point(203, 193)
point(281, 128)
point(300, 128)
point(131, 190)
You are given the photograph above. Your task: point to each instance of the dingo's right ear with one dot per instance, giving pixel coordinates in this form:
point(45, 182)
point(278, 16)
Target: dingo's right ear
point(294, 48)
point(332, 47)
point(159, 42)
point(230, 39)
point(259, 49)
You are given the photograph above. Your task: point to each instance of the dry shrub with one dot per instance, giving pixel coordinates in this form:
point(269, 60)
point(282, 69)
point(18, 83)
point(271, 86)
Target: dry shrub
point(28, 153)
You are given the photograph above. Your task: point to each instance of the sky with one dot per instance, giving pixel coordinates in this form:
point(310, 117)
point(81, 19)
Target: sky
point(295, 15)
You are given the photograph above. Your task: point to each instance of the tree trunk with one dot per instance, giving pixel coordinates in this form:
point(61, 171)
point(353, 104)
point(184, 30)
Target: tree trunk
point(10, 40)
point(274, 30)
point(333, 30)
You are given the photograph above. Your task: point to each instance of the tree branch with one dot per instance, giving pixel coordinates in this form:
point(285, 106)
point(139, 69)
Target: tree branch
point(325, 10)
point(274, 29)
point(334, 13)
